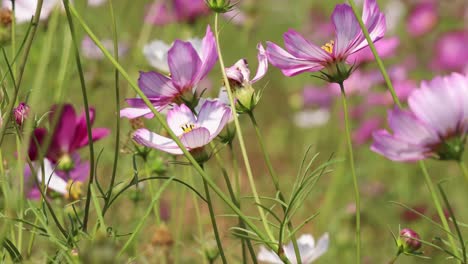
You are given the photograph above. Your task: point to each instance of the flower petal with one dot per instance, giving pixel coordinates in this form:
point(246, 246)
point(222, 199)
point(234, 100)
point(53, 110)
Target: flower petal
point(289, 64)
point(262, 63)
point(184, 65)
point(156, 54)
point(397, 149)
point(156, 85)
point(213, 116)
point(438, 104)
point(208, 54)
point(64, 132)
point(347, 30)
point(196, 138)
point(407, 127)
point(36, 140)
point(178, 117)
point(319, 250)
point(52, 180)
point(147, 138)
point(301, 48)
point(268, 256)
point(133, 112)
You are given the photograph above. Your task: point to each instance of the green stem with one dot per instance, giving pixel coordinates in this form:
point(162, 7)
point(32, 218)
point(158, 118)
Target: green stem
point(213, 221)
point(463, 169)
point(117, 106)
point(86, 110)
point(275, 179)
point(163, 123)
point(376, 55)
point(239, 133)
point(440, 211)
point(394, 259)
point(353, 173)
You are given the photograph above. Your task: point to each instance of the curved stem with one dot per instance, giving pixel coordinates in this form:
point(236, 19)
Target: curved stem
point(353, 173)
point(117, 106)
point(376, 55)
point(87, 117)
point(164, 124)
point(239, 133)
point(440, 211)
point(275, 179)
point(213, 221)
point(463, 169)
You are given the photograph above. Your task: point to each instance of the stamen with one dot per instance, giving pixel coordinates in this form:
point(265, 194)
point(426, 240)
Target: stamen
point(73, 190)
point(187, 127)
point(329, 46)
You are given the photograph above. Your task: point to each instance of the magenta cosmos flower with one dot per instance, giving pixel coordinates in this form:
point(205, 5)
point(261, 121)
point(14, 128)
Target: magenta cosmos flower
point(70, 134)
point(303, 56)
point(451, 52)
point(187, 68)
point(435, 125)
point(422, 18)
point(194, 131)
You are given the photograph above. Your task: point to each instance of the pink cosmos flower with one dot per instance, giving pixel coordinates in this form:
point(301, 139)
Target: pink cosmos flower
point(422, 18)
point(239, 73)
point(303, 56)
point(385, 48)
point(435, 125)
point(187, 68)
point(451, 52)
point(364, 133)
point(194, 131)
point(70, 134)
point(162, 13)
point(21, 113)
point(64, 183)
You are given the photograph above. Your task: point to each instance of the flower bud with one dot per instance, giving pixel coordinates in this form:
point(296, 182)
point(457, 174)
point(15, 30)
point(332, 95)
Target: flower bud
point(21, 113)
point(219, 6)
point(211, 250)
point(227, 135)
point(409, 241)
point(200, 155)
point(246, 99)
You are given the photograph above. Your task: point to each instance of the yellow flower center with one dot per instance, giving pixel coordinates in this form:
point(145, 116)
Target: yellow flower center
point(187, 127)
point(73, 190)
point(329, 46)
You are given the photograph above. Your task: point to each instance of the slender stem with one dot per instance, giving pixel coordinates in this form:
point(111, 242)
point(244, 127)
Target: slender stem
point(239, 133)
point(22, 67)
point(275, 179)
point(376, 55)
point(117, 102)
point(440, 211)
point(353, 173)
point(196, 207)
point(86, 110)
point(213, 222)
point(463, 169)
point(163, 123)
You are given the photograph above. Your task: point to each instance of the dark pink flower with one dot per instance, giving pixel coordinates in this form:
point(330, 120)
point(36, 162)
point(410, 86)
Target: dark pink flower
point(183, 11)
point(70, 134)
point(364, 133)
point(187, 68)
point(303, 56)
point(21, 113)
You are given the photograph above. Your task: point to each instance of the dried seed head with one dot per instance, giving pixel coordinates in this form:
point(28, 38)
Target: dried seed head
point(6, 16)
point(162, 237)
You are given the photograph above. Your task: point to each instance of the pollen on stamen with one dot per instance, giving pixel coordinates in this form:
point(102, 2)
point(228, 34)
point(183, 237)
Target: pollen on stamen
point(187, 127)
point(329, 46)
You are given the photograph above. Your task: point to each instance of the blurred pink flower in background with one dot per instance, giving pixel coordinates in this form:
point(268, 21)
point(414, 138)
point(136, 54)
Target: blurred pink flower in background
point(171, 11)
point(422, 18)
point(364, 133)
point(25, 9)
point(451, 52)
point(386, 47)
point(91, 51)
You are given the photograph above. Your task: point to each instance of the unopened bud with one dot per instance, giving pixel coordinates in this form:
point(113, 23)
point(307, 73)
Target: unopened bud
point(21, 113)
point(246, 99)
point(6, 16)
point(211, 250)
point(409, 241)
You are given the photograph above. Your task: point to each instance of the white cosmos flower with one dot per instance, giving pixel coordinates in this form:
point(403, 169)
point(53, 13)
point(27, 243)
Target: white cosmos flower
point(25, 9)
point(312, 118)
point(156, 52)
point(307, 248)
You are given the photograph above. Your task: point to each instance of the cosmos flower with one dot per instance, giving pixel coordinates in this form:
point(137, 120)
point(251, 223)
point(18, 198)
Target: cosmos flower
point(303, 56)
point(422, 18)
point(435, 125)
point(25, 9)
point(364, 132)
point(21, 113)
point(187, 68)
point(65, 183)
point(386, 47)
point(307, 248)
point(194, 131)
point(70, 134)
point(156, 52)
